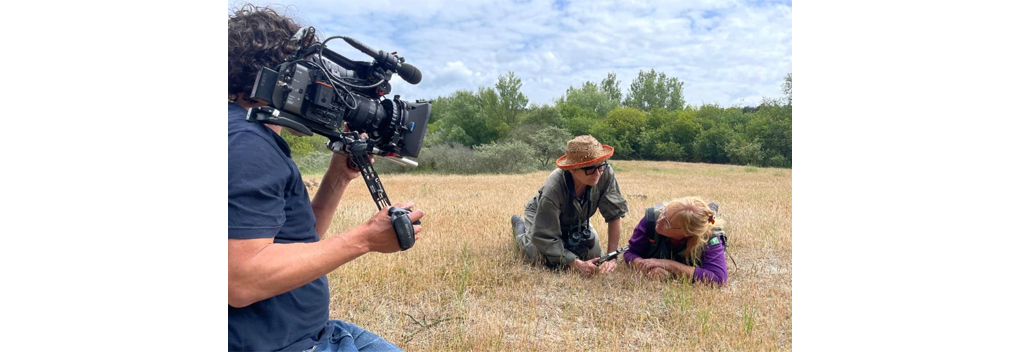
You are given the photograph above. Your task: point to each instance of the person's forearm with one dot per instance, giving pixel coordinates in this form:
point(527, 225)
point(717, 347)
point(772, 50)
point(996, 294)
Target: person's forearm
point(327, 198)
point(282, 267)
point(677, 268)
point(615, 227)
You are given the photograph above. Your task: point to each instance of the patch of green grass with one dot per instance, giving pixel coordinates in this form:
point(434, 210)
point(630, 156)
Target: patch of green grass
point(750, 168)
point(703, 319)
point(747, 317)
point(464, 281)
point(678, 297)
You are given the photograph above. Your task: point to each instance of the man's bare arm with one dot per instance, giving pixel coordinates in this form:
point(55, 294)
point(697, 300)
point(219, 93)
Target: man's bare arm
point(260, 269)
point(327, 198)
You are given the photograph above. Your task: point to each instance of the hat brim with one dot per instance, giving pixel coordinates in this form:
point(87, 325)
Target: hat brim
point(566, 163)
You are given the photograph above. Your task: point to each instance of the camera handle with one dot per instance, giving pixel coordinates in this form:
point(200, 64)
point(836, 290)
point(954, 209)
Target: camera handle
point(357, 150)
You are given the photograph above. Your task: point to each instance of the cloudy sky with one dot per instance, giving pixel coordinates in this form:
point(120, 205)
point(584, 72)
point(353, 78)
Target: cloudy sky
point(727, 52)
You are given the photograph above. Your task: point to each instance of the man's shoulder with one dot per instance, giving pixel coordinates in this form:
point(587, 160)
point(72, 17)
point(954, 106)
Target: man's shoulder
point(245, 138)
point(237, 121)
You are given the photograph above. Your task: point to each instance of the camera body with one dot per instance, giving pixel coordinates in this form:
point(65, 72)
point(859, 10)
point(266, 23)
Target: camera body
point(319, 90)
point(322, 92)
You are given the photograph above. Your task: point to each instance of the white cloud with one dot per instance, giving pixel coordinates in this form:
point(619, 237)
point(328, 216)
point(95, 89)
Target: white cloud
point(726, 52)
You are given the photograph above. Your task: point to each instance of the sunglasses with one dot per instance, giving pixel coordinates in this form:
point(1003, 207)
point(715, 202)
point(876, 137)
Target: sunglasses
point(590, 170)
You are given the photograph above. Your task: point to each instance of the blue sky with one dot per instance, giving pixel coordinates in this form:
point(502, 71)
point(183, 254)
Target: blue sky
point(726, 52)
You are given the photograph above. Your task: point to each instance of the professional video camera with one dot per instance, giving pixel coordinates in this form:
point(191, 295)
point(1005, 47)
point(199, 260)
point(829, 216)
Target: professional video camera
point(318, 91)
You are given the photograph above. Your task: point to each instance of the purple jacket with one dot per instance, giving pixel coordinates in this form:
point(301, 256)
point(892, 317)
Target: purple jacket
point(713, 258)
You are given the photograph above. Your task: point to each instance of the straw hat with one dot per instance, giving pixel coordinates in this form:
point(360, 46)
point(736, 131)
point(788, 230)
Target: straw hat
point(583, 151)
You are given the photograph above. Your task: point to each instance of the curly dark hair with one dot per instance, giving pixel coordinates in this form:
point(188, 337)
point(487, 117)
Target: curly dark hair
point(256, 37)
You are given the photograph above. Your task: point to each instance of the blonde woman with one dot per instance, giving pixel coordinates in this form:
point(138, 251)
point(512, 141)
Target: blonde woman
point(681, 238)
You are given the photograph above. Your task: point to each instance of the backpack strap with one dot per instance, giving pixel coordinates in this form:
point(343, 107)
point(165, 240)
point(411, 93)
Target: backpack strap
point(650, 217)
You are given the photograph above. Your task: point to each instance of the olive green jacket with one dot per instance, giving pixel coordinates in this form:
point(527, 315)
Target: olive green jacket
point(559, 211)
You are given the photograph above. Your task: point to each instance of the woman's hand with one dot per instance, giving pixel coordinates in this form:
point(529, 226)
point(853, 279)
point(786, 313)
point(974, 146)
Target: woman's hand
point(648, 264)
point(643, 264)
point(657, 273)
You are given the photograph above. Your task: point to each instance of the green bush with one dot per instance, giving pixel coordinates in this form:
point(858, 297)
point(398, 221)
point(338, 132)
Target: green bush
point(447, 159)
point(775, 159)
point(742, 153)
point(312, 163)
point(778, 161)
point(505, 158)
point(548, 141)
point(301, 146)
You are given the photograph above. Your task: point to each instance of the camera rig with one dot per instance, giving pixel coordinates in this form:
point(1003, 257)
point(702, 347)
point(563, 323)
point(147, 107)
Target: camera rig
point(322, 92)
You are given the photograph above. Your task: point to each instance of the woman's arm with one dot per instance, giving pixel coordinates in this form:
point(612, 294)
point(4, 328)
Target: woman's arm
point(713, 265)
point(712, 270)
point(638, 243)
point(676, 268)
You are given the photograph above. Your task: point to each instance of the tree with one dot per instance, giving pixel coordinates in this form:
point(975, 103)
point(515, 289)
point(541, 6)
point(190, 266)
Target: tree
point(651, 89)
point(788, 88)
point(590, 97)
point(493, 117)
point(669, 135)
point(548, 141)
point(461, 120)
point(511, 101)
point(711, 145)
point(622, 129)
point(772, 126)
point(579, 121)
point(544, 115)
point(611, 86)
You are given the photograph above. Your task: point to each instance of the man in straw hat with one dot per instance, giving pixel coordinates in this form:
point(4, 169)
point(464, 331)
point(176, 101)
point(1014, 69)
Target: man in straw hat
point(555, 230)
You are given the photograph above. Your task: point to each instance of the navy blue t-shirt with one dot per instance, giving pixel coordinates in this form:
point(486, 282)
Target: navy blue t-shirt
point(266, 198)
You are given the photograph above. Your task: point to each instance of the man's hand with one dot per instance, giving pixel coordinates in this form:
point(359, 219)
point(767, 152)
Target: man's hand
point(381, 237)
point(587, 268)
point(608, 266)
point(338, 163)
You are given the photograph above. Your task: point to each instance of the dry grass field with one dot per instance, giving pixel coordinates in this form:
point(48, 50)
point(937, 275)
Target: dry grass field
point(464, 287)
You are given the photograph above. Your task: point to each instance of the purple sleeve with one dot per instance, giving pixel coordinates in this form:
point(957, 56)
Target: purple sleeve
point(638, 242)
point(713, 265)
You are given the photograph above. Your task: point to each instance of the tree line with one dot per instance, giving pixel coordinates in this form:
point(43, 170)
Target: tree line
point(495, 130)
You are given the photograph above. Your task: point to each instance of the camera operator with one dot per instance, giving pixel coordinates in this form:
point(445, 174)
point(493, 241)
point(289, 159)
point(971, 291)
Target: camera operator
point(556, 230)
point(277, 265)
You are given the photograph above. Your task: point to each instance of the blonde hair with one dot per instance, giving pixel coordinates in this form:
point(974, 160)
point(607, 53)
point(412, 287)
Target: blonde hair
point(693, 216)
